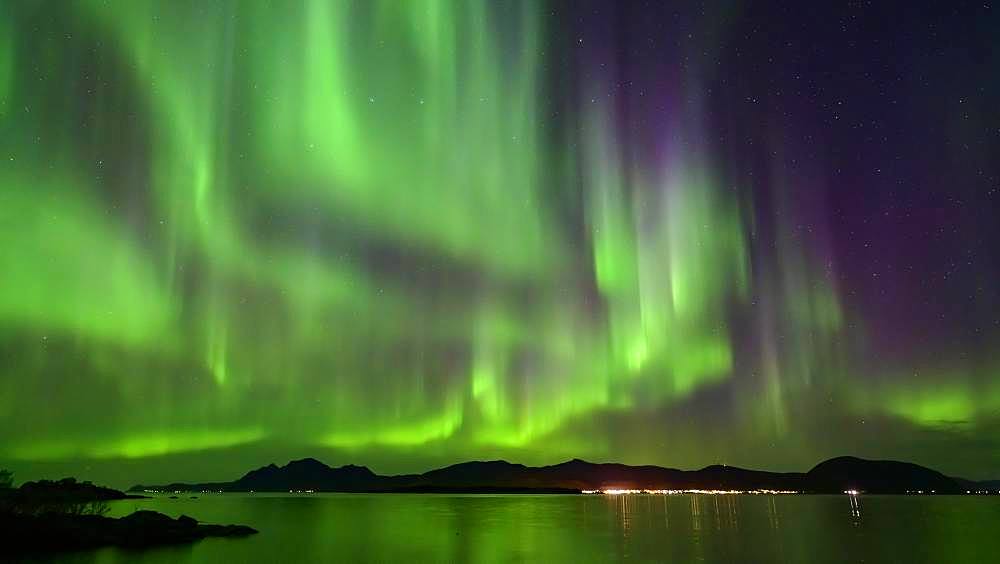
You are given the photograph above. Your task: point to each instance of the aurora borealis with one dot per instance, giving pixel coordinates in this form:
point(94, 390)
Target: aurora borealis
point(411, 233)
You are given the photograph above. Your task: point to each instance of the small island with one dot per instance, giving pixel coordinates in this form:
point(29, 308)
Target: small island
point(51, 516)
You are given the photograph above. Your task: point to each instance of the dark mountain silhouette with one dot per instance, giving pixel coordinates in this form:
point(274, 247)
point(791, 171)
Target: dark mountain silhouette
point(883, 476)
point(832, 476)
point(302, 474)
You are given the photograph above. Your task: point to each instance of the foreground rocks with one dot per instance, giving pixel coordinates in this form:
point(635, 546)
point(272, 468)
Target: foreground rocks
point(48, 532)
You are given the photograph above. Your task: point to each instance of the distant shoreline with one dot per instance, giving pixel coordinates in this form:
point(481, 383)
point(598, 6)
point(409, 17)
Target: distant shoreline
point(842, 475)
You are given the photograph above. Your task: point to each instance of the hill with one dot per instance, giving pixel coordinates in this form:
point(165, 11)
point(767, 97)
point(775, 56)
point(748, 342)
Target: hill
point(832, 476)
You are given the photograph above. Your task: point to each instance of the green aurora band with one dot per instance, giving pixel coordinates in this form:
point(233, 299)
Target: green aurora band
point(351, 228)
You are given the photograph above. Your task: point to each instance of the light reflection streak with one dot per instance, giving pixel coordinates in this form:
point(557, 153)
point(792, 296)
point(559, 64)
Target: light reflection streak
point(855, 508)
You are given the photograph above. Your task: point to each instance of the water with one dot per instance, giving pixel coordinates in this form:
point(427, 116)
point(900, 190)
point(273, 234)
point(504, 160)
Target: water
point(578, 529)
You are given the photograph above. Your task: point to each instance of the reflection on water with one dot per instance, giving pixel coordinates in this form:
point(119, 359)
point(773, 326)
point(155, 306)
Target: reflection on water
point(588, 528)
point(855, 509)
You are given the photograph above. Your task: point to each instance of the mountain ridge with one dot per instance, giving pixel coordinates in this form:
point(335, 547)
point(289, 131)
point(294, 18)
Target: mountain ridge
point(834, 475)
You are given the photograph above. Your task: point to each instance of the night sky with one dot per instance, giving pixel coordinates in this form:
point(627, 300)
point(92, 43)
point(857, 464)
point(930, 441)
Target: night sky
point(411, 233)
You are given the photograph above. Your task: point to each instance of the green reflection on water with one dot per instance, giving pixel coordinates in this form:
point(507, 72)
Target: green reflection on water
point(479, 528)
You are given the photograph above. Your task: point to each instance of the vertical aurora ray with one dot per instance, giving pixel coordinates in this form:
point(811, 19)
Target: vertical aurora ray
point(668, 257)
point(371, 110)
point(6, 65)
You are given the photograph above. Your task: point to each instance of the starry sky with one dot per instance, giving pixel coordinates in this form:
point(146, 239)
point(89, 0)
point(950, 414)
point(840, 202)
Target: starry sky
point(407, 234)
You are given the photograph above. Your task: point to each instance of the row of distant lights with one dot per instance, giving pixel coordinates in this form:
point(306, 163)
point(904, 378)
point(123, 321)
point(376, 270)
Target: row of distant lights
point(615, 491)
point(922, 492)
point(678, 492)
point(147, 490)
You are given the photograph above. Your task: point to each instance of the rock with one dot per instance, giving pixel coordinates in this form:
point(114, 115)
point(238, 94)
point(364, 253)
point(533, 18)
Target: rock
point(52, 532)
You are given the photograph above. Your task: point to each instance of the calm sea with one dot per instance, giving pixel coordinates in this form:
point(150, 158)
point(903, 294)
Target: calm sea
point(408, 528)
